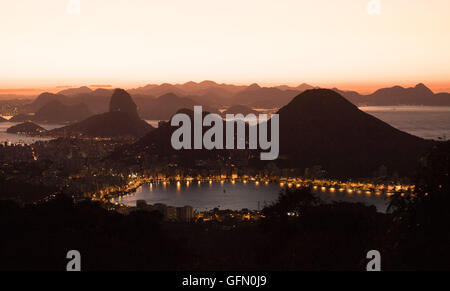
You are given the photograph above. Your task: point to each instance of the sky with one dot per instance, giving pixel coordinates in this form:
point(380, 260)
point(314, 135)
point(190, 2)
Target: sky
point(129, 43)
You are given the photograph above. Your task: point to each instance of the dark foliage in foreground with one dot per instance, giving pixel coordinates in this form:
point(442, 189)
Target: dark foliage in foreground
point(421, 227)
point(38, 237)
point(327, 237)
point(318, 236)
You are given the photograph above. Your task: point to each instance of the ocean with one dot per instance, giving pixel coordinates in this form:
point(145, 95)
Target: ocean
point(428, 122)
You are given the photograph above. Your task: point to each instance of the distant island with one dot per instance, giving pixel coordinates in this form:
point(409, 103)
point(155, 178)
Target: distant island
point(28, 128)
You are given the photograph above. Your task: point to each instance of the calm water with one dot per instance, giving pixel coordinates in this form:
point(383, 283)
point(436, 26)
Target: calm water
point(424, 121)
point(230, 196)
point(22, 139)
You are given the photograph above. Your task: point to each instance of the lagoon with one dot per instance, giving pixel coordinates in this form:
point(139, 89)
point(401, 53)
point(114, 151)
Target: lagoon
point(234, 196)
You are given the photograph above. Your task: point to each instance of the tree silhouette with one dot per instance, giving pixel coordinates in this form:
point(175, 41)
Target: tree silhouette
point(292, 203)
point(421, 219)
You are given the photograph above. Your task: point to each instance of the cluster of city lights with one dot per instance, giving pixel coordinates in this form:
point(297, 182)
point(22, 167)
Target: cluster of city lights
point(115, 194)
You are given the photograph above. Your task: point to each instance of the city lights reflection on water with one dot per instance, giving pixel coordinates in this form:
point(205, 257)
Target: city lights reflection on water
point(236, 195)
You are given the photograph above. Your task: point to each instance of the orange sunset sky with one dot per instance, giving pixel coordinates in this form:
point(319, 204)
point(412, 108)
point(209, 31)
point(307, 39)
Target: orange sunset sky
point(129, 43)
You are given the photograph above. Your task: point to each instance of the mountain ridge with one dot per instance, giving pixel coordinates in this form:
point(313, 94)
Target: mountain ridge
point(318, 128)
point(321, 127)
point(121, 120)
point(398, 95)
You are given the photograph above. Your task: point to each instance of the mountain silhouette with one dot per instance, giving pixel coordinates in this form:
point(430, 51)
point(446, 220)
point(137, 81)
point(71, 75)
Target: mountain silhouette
point(157, 90)
point(102, 92)
point(75, 91)
point(302, 87)
point(206, 93)
point(216, 95)
point(121, 120)
point(158, 142)
point(22, 117)
point(400, 95)
point(320, 127)
point(213, 95)
point(165, 106)
point(56, 112)
point(28, 128)
point(97, 101)
point(205, 86)
point(397, 95)
point(110, 124)
point(43, 99)
point(258, 97)
point(252, 87)
point(190, 88)
point(121, 101)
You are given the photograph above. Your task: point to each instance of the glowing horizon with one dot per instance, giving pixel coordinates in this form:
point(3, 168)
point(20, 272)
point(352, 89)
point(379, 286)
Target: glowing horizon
point(128, 44)
point(362, 89)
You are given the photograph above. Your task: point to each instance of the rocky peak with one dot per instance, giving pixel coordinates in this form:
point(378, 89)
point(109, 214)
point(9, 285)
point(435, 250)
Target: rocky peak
point(121, 101)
